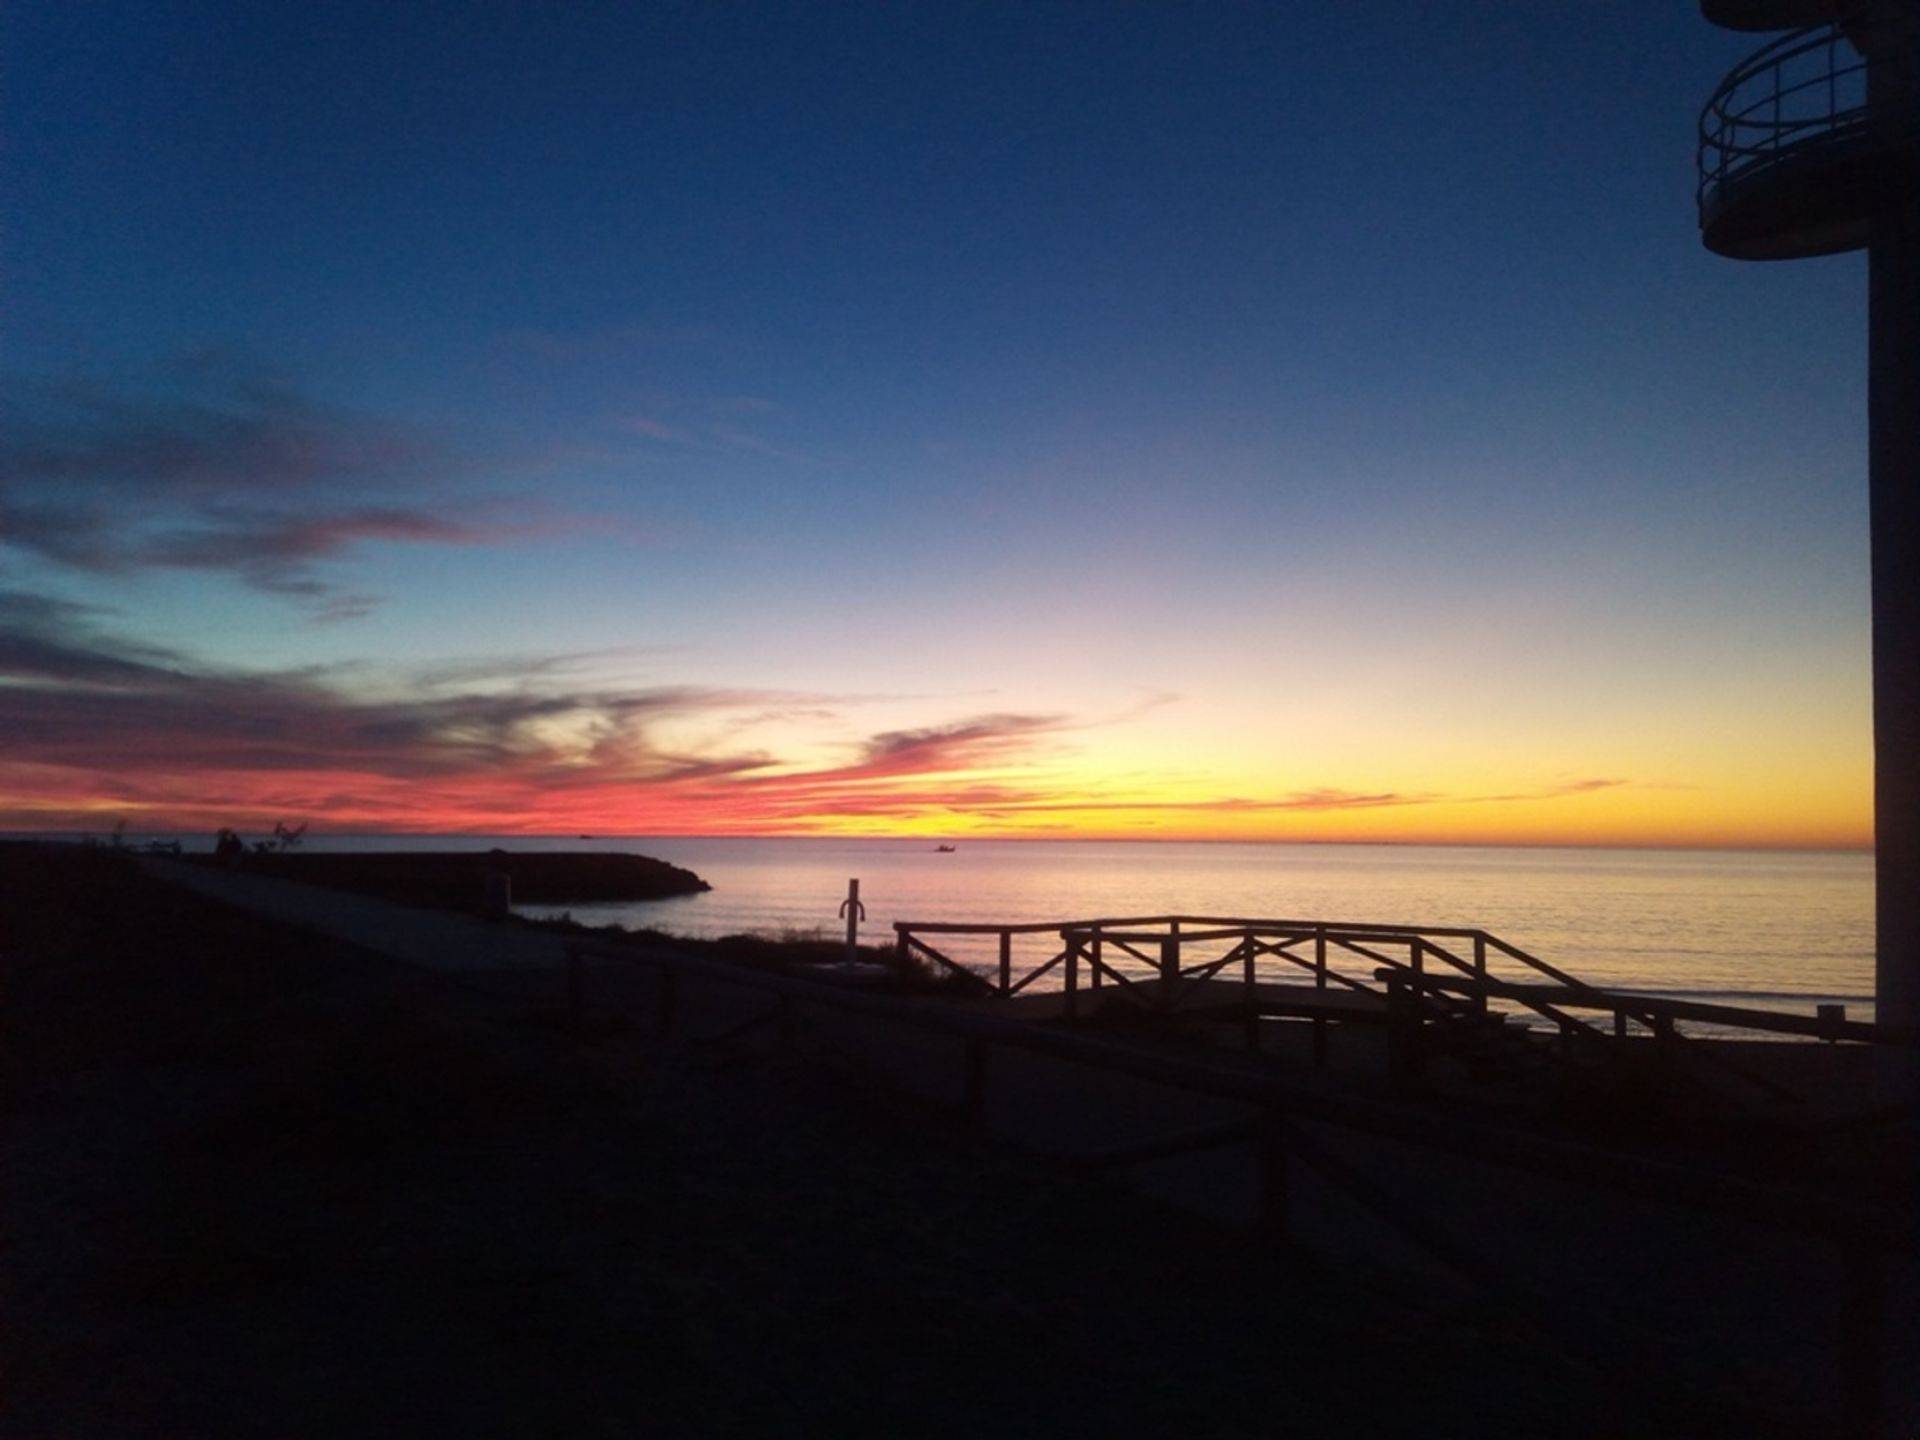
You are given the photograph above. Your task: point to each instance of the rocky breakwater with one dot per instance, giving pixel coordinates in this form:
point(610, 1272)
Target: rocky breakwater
point(480, 879)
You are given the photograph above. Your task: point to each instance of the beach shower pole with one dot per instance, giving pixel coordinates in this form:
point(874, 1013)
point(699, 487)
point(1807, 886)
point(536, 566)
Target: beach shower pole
point(855, 913)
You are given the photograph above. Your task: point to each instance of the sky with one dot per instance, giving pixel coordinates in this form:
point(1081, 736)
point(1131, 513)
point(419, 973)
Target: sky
point(1052, 418)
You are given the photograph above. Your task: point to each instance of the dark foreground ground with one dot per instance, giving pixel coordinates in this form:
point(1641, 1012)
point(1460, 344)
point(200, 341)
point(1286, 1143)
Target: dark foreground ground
point(258, 1184)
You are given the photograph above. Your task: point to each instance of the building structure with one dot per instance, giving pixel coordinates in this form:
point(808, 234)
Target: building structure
point(1808, 147)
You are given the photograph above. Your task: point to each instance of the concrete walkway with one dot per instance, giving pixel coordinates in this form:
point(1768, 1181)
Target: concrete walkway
point(432, 939)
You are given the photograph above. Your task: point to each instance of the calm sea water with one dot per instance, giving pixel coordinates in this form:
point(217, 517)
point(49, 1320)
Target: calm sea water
point(1762, 928)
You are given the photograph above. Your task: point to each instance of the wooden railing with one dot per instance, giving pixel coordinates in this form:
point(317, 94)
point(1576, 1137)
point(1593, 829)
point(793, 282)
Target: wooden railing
point(1159, 962)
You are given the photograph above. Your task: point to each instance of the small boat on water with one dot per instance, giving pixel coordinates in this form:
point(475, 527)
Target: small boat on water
point(943, 849)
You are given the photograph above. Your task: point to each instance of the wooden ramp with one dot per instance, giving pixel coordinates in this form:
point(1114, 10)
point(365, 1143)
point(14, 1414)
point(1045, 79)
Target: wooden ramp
point(1201, 999)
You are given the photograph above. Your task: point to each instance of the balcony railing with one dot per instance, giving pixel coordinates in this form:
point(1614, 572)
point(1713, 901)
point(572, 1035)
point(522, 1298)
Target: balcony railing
point(1804, 94)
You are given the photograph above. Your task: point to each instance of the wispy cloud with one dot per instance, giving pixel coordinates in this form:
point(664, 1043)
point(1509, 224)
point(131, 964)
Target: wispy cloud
point(218, 469)
point(1549, 792)
point(221, 436)
point(573, 347)
point(651, 429)
point(46, 640)
point(92, 720)
point(738, 424)
point(276, 553)
point(511, 743)
point(1306, 801)
point(976, 743)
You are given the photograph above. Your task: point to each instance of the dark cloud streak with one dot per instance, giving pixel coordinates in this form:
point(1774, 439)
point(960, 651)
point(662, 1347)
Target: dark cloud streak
point(237, 474)
point(251, 437)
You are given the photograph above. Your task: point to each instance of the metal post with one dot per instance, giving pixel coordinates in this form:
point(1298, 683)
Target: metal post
point(1169, 967)
point(855, 913)
point(1006, 962)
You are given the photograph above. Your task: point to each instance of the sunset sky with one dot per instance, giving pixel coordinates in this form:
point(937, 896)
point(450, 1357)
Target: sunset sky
point(1217, 420)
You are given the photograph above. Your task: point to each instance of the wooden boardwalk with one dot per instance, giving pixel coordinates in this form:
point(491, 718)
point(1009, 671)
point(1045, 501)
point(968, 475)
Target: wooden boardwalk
point(1212, 999)
point(1329, 971)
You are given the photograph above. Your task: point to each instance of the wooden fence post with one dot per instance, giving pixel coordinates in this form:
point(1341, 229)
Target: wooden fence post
point(1170, 967)
point(1073, 978)
point(1403, 1033)
point(1320, 983)
point(1663, 1047)
point(1006, 963)
point(1480, 972)
point(1249, 950)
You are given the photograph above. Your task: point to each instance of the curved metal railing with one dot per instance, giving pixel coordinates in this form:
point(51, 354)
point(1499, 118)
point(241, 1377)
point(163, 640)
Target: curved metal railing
point(1806, 91)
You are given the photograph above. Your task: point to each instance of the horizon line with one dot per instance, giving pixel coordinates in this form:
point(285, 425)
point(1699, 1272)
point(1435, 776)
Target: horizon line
point(63, 832)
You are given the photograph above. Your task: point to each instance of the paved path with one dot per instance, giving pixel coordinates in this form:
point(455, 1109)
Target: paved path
point(433, 939)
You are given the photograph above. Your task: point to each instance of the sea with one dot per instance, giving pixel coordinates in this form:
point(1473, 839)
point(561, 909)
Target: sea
point(1769, 929)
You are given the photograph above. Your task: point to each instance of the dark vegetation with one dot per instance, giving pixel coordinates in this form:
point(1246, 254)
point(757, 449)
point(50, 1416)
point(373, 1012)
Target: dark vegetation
point(803, 955)
point(458, 880)
point(257, 1183)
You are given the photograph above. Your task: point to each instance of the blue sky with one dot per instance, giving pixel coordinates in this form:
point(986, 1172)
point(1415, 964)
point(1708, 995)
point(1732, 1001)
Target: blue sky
point(1254, 406)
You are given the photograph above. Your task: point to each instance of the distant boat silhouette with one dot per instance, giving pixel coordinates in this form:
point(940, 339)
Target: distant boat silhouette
point(943, 849)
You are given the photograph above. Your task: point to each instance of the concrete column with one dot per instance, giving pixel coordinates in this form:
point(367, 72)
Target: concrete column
point(1893, 449)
